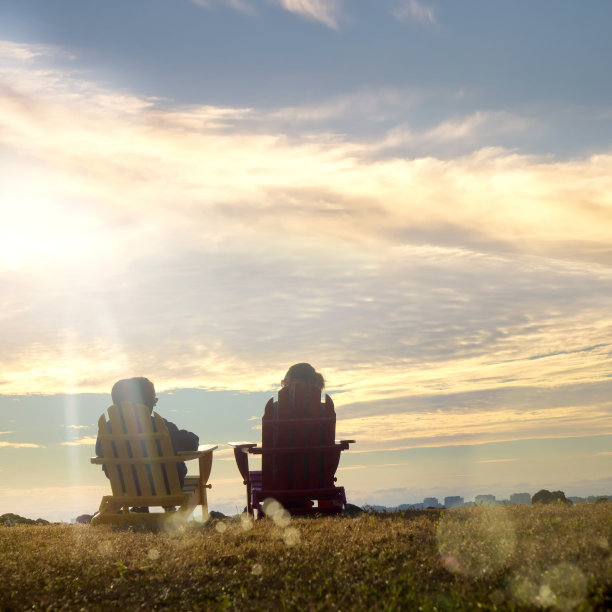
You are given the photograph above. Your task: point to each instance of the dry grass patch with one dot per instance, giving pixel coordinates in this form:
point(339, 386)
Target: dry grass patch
point(495, 558)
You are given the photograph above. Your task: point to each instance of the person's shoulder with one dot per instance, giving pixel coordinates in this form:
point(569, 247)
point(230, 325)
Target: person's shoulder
point(169, 424)
point(172, 427)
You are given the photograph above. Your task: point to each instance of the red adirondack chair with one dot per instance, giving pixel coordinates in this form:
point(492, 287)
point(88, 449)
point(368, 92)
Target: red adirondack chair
point(299, 454)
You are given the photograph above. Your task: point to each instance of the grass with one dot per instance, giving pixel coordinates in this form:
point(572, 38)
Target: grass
point(517, 558)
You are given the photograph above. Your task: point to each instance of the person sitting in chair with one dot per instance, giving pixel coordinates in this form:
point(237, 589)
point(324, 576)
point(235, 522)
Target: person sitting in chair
point(303, 372)
point(141, 390)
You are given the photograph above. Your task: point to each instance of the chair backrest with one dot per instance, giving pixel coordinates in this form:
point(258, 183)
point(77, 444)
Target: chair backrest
point(138, 446)
point(298, 450)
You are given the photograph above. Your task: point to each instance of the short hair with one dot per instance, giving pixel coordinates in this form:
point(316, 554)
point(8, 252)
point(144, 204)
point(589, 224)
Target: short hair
point(304, 372)
point(138, 390)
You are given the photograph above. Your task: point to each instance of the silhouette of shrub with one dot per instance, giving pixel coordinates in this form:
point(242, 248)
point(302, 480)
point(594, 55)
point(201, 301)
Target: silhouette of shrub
point(543, 496)
point(11, 519)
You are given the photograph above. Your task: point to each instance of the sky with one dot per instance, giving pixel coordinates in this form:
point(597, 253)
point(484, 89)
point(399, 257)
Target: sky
point(414, 196)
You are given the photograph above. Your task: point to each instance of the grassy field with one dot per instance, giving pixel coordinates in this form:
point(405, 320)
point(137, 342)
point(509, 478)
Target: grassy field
point(517, 558)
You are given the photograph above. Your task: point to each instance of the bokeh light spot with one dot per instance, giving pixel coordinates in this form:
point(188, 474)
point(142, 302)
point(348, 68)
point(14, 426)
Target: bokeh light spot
point(560, 587)
point(477, 542)
point(275, 511)
point(105, 547)
point(246, 522)
point(291, 536)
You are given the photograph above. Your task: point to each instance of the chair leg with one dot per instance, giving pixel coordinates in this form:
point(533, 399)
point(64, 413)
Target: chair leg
point(249, 500)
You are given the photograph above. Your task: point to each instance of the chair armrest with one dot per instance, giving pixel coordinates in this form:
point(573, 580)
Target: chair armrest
point(284, 450)
point(242, 446)
point(203, 449)
point(134, 460)
point(241, 454)
point(206, 448)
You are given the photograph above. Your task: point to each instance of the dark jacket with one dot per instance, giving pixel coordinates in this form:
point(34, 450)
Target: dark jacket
point(181, 439)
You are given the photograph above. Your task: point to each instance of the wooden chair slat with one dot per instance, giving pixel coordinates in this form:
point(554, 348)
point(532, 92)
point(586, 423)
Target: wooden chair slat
point(167, 476)
point(123, 450)
point(109, 449)
point(136, 420)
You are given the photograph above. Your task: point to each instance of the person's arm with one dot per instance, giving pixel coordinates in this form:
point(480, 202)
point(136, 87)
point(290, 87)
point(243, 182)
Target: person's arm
point(182, 440)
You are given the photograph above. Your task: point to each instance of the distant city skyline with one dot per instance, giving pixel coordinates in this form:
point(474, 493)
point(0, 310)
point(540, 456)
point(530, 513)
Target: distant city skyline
point(485, 499)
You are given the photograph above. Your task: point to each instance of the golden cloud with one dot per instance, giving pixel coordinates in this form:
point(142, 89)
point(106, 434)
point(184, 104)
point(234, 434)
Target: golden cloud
point(19, 445)
point(86, 441)
point(105, 180)
point(399, 431)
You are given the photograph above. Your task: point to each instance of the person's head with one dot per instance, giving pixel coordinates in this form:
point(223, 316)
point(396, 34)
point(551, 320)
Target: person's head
point(137, 390)
point(304, 372)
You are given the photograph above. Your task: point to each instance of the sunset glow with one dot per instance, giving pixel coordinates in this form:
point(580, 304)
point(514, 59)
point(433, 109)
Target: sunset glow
point(441, 248)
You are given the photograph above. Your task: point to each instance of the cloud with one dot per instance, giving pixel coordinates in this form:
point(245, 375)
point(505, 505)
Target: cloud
point(212, 247)
point(477, 124)
point(414, 429)
point(378, 105)
point(244, 6)
point(76, 426)
point(4, 444)
point(22, 52)
point(19, 445)
point(457, 135)
point(350, 468)
point(86, 441)
point(326, 12)
point(414, 10)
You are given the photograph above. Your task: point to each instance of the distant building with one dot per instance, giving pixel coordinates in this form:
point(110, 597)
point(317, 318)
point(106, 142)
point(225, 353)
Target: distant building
point(453, 501)
point(403, 507)
point(521, 499)
point(485, 500)
point(592, 499)
point(431, 502)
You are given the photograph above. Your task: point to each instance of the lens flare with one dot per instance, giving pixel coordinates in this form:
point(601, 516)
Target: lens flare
point(560, 587)
point(475, 543)
point(246, 522)
point(105, 547)
point(275, 511)
point(291, 537)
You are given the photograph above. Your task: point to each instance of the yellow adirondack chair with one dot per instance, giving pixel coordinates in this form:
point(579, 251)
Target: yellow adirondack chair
point(141, 464)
